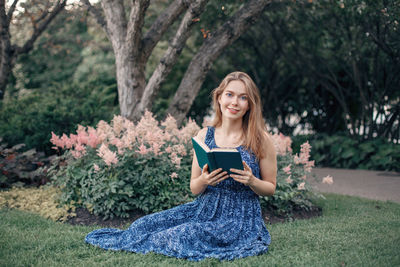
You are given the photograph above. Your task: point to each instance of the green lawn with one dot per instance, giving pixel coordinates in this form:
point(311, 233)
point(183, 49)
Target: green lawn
point(351, 232)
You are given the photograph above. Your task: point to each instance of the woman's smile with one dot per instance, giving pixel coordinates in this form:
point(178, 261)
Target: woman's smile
point(234, 100)
point(233, 110)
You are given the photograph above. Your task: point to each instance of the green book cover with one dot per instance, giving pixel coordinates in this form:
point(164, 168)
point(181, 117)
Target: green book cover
point(225, 158)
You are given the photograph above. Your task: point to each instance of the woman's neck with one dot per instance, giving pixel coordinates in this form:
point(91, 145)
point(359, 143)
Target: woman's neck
point(231, 127)
point(229, 133)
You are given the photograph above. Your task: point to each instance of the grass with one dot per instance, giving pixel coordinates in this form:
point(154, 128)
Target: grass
point(352, 232)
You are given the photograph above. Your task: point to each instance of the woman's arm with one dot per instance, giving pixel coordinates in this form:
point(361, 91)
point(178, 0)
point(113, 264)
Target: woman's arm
point(268, 168)
point(267, 184)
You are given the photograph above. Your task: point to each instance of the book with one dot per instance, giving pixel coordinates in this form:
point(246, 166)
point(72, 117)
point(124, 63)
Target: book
point(225, 158)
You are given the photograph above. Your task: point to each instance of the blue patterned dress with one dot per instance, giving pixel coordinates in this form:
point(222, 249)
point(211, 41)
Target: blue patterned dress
point(224, 222)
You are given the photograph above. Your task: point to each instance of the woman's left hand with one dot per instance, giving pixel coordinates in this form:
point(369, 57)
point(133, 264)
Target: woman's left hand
point(245, 176)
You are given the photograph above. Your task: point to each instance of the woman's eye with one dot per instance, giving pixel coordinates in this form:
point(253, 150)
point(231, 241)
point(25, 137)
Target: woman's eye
point(243, 98)
point(228, 94)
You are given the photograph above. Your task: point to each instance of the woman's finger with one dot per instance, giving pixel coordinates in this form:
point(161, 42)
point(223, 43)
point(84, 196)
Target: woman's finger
point(216, 178)
point(205, 167)
point(238, 171)
point(215, 172)
point(246, 167)
point(222, 178)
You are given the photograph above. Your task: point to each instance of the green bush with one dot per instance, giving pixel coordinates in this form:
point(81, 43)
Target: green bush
point(31, 118)
point(293, 190)
point(120, 167)
point(342, 151)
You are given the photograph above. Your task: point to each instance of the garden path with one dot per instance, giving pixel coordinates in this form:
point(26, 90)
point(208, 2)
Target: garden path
point(379, 185)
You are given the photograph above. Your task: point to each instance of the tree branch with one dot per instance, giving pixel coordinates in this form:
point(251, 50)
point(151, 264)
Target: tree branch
point(385, 48)
point(97, 15)
point(11, 11)
point(208, 52)
point(135, 24)
point(114, 12)
point(38, 30)
point(171, 56)
point(160, 26)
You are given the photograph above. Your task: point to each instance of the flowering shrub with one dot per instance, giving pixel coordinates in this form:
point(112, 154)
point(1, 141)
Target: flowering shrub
point(117, 167)
point(294, 172)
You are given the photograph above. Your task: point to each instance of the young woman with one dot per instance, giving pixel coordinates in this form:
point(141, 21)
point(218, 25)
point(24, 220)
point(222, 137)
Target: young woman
point(224, 221)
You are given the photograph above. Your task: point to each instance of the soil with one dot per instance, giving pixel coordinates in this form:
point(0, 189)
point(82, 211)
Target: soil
point(84, 217)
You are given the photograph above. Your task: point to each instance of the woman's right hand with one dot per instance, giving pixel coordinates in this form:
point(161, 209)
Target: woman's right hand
point(214, 177)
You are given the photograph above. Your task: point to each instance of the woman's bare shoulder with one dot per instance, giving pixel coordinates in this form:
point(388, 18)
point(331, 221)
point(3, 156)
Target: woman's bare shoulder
point(202, 133)
point(270, 151)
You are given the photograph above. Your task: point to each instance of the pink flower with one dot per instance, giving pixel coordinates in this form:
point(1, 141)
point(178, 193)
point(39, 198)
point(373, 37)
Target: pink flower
point(107, 155)
point(191, 128)
point(282, 143)
point(296, 159)
point(305, 152)
point(308, 165)
point(180, 149)
point(104, 130)
point(55, 140)
point(128, 124)
point(287, 169)
point(168, 149)
point(170, 125)
point(156, 148)
point(289, 179)
point(176, 160)
point(80, 148)
point(96, 167)
point(68, 142)
point(143, 150)
point(76, 154)
point(119, 144)
point(118, 124)
point(82, 136)
point(147, 124)
point(301, 186)
point(327, 180)
point(93, 139)
point(173, 175)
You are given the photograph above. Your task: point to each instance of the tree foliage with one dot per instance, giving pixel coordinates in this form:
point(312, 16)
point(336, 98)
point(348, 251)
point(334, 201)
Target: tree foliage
point(328, 66)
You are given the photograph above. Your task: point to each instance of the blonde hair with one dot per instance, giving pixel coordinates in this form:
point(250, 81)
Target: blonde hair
point(254, 128)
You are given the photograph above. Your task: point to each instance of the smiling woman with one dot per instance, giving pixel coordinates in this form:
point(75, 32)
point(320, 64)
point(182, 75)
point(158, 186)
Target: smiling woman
point(224, 222)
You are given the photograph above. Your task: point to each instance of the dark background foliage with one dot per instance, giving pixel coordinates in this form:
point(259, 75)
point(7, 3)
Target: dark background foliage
point(323, 68)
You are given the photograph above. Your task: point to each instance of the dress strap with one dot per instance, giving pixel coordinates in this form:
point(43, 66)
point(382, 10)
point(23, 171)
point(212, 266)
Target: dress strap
point(209, 141)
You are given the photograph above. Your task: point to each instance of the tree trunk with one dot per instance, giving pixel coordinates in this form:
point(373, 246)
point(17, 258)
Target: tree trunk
point(130, 49)
point(9, 52)
point(170, 57)
point(5, 49)
point(130, 81)
point(208, 52)
point(5, 67)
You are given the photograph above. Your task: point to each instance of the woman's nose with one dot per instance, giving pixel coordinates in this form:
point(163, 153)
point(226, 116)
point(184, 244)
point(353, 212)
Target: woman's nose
point(234, 100)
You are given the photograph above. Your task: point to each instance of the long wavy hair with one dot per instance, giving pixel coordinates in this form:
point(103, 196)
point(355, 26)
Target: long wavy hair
point(254, 128)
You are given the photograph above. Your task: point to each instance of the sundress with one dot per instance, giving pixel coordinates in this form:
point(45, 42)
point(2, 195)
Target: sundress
point(223, 222)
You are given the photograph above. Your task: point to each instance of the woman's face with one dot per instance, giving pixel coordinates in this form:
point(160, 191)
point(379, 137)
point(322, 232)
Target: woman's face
point(234, 100)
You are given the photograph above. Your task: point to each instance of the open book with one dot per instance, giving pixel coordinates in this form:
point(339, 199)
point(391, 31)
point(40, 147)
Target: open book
point(225, 158)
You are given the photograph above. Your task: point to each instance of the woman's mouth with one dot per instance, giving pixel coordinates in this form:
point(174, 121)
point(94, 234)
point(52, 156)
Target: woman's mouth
point(233, 111)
